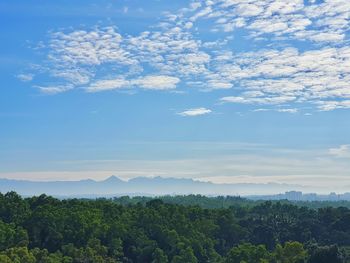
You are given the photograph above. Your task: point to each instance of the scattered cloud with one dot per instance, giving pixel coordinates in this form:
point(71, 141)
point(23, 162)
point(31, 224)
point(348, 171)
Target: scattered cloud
point(332, 105)
point(75, 77)
point(91, 57)
point(262, 100)
point(152, 82)
point(219, 84)
point(94, 47)
point(318, 77)
point(52, 90)
point(110, 84)
point(25, 77)
point(195, 112)
point(325, 21)
point(343, 151)
point(261, 110)
point(173, 52)
point(288, 110)
point(157, 82)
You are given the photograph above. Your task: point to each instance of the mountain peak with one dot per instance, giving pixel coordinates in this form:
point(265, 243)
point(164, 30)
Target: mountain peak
point(113, 178)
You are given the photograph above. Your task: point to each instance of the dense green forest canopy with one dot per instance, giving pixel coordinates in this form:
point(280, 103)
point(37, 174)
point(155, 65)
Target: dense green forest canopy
point(47, 230)
point(211, 202)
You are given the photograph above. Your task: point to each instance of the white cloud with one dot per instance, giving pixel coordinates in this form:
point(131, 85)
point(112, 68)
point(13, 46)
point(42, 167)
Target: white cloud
point(249, 10)
point(261, 100)
point(332, 105)
point(94, 47)
point(195, 5)
point(157, 82)
point(261, 110)
point(343, 151)
point(90, 57)
point(320, 22)
point(322, 37)
point(52, 90)
point(152, 82)
point(219, 84)
point(318, 77)
point(110, 84)
point(25, 77)
point(195, 112)
point(285, 110)
point(288, 110)
point(102, 59)
point(188, 25)
point(76, 77)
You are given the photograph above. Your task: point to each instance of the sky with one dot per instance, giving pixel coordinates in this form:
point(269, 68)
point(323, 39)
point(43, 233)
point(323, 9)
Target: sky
point(225, 91)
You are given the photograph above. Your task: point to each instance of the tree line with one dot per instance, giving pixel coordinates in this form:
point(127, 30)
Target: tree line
point(44, 229)
point(213, 202)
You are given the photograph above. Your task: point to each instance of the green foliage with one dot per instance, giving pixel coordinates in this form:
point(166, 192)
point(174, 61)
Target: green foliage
point(18, 255)
point(159, 256)
point(291, 252)
point(5, 259)
point(169, 229)
point(12, 236)
point(185, 255)
point(326, 254)
point(248, 253)
point(225, 201)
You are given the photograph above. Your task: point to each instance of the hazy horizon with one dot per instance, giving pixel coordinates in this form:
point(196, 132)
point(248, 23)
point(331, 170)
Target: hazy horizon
point(162, 186)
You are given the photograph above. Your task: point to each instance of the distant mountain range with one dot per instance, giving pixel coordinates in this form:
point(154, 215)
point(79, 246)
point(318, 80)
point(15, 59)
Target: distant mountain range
point(139, 186)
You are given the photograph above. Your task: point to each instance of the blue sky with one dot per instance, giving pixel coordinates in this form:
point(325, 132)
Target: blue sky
point(222, 90)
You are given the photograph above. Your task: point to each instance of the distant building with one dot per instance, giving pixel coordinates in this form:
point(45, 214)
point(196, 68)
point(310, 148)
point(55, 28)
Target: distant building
point(310, 197)
point(294, 195)
point(333, 197)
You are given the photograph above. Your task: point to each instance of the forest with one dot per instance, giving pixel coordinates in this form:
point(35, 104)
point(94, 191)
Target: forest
point(224, 201)
point(182, 229)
